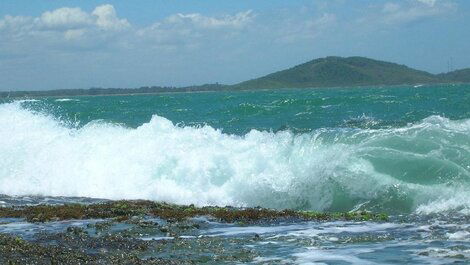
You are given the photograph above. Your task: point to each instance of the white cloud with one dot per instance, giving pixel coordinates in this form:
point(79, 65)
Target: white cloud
point(106, 18)
point(191, 30)
point(102, 27)
point(428, 2)
point(74, 24)
point(404, 12)
point(238, 20)
point(15, 26)
point(64, 18)
point(103, 17)
point(74, 34)
point(70, 29)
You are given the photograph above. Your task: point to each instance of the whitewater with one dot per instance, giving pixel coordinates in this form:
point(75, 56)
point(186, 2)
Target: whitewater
point(422, 166)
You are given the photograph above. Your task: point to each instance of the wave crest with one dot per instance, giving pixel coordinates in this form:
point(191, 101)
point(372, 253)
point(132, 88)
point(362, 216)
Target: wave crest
point(414, 168)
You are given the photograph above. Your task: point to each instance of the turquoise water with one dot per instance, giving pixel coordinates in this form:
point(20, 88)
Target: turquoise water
point(401, 150)
point(298, 110)
point(392, 149)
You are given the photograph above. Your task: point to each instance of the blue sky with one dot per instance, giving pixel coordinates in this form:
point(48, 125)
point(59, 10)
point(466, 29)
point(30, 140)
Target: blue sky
point(81, 44)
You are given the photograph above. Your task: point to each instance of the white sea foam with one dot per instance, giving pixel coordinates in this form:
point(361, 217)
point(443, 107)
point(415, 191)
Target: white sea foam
point(315, 255)
point(65, 99)
point(237, 230)
point(460, 235)
point(321, 170)
point(27, 100)
point(458, 203)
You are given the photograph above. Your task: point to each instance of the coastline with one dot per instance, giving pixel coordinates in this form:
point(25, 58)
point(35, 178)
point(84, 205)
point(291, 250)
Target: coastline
point(139, 232)
point(31, 94)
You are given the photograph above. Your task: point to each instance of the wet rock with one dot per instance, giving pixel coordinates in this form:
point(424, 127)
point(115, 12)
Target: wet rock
point(134, 210)
point(76, 231)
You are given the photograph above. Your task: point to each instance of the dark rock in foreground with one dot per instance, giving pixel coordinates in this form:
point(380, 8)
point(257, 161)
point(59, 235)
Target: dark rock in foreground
point(142, 232)
point(14, 250)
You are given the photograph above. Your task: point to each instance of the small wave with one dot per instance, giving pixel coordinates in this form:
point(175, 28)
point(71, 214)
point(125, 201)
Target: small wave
point(27, 100)
point(304, 113)
point(363, 121)
point(423, 167)
point(458, 203)
point(65, 100)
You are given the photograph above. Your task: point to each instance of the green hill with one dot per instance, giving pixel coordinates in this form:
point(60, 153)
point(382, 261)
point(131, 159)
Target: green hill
point(462, 76)
point(339, 71)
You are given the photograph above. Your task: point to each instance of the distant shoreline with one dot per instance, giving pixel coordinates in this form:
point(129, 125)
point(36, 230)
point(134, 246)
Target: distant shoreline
point(52, 94)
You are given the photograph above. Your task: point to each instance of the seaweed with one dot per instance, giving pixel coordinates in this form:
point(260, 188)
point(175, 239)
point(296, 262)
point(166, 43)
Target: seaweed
point(125, 209)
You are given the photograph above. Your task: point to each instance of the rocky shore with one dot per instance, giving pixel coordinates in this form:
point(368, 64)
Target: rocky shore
point(139, 232)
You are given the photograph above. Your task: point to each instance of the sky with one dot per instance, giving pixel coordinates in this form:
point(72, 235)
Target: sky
point(66, 44)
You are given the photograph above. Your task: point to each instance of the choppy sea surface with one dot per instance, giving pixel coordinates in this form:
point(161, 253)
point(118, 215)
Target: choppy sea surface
point(401, 150)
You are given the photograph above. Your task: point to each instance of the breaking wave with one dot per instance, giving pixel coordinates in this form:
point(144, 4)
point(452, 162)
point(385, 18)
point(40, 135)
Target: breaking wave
point(423, 167)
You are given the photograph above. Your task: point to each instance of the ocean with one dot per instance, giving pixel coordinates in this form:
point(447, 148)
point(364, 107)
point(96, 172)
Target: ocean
point(400, 150)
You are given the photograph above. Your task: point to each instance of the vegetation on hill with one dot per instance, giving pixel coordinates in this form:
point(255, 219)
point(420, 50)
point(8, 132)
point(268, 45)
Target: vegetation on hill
point(338, 71)
point(462, 76)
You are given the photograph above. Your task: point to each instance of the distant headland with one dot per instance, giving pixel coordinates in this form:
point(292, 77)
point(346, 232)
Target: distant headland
point(330, 71)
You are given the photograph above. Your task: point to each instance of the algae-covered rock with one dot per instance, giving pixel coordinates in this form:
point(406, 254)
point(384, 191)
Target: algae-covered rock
point(128, 210)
